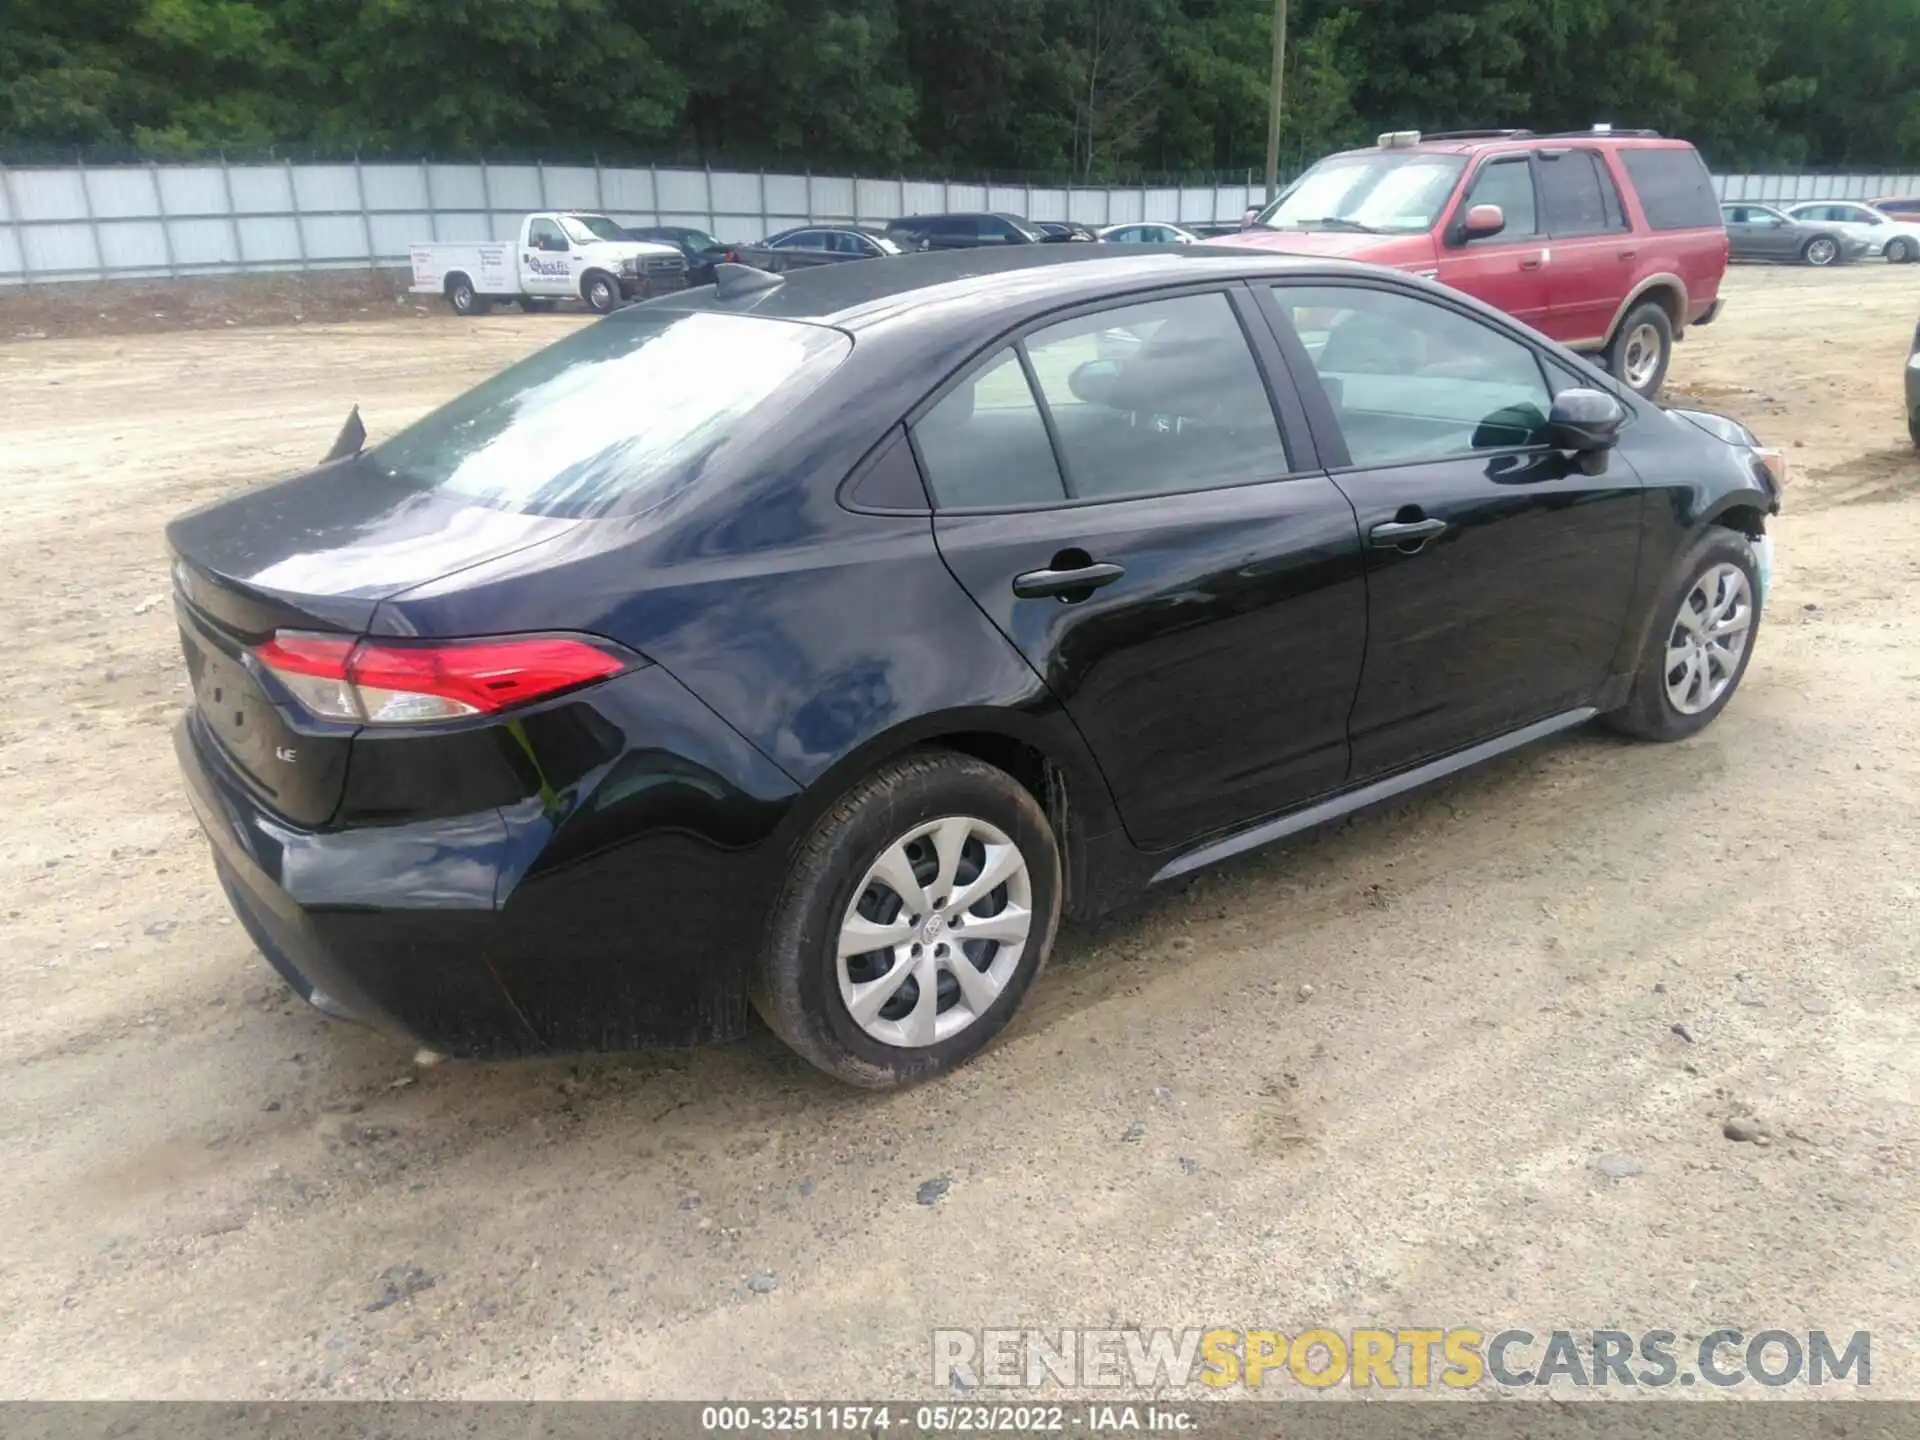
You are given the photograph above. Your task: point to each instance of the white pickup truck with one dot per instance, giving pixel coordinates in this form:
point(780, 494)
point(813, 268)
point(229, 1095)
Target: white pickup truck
point(561, 255)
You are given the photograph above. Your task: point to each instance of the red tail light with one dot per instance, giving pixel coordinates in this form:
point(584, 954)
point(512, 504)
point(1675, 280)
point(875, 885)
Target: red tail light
point(378, 682)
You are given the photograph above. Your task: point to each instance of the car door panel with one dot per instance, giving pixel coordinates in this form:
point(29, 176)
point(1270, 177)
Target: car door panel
point(1212, 664)
point(1512, 609)
point(1506, 270)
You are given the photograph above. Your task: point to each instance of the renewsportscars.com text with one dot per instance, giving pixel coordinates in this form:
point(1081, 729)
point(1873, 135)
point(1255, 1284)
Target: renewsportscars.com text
point(1374, 1358)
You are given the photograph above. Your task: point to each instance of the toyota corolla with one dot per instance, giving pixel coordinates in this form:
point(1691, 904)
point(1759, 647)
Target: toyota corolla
point(812, 645)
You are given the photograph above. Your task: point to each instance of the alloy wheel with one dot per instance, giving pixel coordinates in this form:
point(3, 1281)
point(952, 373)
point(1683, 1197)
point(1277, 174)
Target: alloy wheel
point(1707, 638)
point(935, 931)
point(1821, 251)
point(1642, 360)
point(600, 295)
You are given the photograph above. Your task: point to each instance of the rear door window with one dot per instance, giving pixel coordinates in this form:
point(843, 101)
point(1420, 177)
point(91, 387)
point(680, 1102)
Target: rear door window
point(638, 406)
point(1575, 189)
point(985, 443)
point(1508, 184)
point(1674, 187)
point(1157, 397)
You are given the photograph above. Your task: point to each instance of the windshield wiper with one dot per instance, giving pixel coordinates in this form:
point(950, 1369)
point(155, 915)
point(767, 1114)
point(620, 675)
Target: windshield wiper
point(1338, 222)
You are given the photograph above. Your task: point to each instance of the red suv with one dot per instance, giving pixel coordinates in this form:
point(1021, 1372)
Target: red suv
point(1609, 241)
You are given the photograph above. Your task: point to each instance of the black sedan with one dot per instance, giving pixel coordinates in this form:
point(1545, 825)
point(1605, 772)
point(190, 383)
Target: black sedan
point(701, 250)
point(811, 645)
point(806, 246)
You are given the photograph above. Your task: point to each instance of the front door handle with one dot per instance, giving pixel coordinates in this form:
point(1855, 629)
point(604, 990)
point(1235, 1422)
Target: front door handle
point(1533, 263)
point(1392, 534)
point(1073, 583)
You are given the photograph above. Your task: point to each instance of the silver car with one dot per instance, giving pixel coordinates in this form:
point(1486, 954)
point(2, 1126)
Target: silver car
point(1760, 232)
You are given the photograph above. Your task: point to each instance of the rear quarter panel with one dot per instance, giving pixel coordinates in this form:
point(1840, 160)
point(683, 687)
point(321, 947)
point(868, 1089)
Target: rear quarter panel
point(1696, 258)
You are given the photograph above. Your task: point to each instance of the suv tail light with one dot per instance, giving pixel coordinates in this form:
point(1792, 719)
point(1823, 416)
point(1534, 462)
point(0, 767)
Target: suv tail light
point(378, 682)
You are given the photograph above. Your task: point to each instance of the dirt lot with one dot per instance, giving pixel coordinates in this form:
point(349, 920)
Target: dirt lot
point(210, 1192)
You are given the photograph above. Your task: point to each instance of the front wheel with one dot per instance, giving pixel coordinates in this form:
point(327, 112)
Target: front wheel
point(915, 917)
point(1821, 251)
point(1901, 251)
point(1642, 348)
point(600, 292)
point(1700, 642)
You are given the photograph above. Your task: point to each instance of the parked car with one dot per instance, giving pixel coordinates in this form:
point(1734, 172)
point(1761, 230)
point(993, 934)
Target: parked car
point(1608, 241)
point(1760, 232)
point(561, 255)
point(1913, 388)
point(965, 231)
point(1064, 230)
point(1889, 235)
point(1147, 232)
point(701, 251)
point(1905, 206)
point(805, 246)
point(790, 644)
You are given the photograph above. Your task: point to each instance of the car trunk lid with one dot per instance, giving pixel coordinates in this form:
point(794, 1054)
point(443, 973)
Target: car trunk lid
point(315, 554)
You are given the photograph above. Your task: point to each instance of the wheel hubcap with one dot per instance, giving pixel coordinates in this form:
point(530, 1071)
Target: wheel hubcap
point(935, 931)
point(1820, 252)
point(1643, 355)
point(1708, 637)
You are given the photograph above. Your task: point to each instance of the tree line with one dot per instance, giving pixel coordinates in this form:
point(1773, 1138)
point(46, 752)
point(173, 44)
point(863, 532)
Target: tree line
point(1095, 89)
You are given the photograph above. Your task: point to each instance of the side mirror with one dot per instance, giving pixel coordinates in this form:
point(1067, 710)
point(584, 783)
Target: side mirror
point(1246, 220)
point(1587, 423)
point(1482, 221)
point(1094, 381)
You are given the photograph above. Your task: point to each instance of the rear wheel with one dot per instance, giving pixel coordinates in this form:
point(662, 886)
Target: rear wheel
point(1901, 251)
point(1642, 348)
point(600, 291)
point(1821, 250)
point(916, 915)
point(1700, 643)
point(464, 299)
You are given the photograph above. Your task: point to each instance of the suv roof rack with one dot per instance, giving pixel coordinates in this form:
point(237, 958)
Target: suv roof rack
point(1601, 130)
point(1478, 134)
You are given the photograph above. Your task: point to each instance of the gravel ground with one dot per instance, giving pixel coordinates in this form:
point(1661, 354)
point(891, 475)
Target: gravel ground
point(1367, 1079)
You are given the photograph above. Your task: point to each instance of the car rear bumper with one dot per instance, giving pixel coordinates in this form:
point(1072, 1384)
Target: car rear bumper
point(623, 910)
point(1711, 313)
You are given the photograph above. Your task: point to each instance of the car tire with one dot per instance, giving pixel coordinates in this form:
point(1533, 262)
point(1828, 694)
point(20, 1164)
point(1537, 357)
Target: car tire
point(1901, 251)
point(601, 291)
point(1913, 429)
point(1665, 702)
point(1821, 251)
point(1642, 348)
point(464, 299)
point(937, 813)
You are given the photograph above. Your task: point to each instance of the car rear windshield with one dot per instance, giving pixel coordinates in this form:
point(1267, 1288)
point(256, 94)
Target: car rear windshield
point(1675, 189)
point(631, 409)
point(1393, 194)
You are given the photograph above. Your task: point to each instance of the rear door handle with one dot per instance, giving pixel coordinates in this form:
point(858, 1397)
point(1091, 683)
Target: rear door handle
point(1533, 264)
point(1039, 584)
point(1392, 534)
point(1629, 255)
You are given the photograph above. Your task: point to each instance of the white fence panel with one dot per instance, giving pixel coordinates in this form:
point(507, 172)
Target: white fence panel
point(1125, 207)
point(514, 187)
point(394, 187)
point(966, 197)
point(261, 189)
point(1160, 205)
point(684, 191)
point(62, 249)
point(787, 195)
point(1047, 205)
point(122, 193)
point(270, 240)
point(133, 245)
point(49, 195)
point(922, 197)
point(201, 244)
point(735, 193)
point(192, 190)
point(1008, 199)
point(572, 187)
point(628, 191)
point(877, 199)
point(455, 187)
point(832, 197)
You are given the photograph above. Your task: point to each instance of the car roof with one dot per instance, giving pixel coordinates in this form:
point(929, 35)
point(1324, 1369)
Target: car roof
point(856, 297)
point(1473, 142)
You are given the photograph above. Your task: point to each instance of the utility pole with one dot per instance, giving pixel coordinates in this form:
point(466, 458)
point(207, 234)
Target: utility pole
point(1276, 93)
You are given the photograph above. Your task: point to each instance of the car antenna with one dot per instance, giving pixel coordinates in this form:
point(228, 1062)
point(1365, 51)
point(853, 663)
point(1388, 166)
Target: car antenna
point(350, 440)
point(730, 280)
